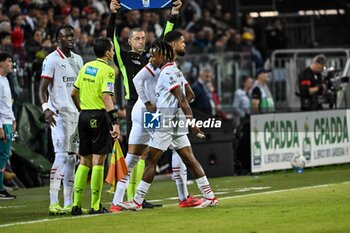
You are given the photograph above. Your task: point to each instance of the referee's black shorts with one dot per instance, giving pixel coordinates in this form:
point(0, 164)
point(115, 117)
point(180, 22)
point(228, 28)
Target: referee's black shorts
point(94, 134)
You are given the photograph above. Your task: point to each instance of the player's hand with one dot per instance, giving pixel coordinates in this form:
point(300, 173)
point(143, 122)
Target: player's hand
point(2, 134)
point(175, 10)
point(114, 6)
point(14, 126)
point(115, 133)
point(197, 132)
point(49, 117)
point(150, 107)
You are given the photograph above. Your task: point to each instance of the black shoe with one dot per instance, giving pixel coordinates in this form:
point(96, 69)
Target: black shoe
point(76, 210)
point(4, 195)
point(146, 204)
point(102, 210)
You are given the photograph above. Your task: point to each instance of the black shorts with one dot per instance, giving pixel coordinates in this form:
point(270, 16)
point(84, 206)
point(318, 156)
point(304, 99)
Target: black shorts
point(94, 134)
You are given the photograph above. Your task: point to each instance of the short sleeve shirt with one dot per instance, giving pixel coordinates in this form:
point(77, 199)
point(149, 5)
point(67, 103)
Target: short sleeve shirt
point(94, 79)
point(63, 72)
point(167, 104)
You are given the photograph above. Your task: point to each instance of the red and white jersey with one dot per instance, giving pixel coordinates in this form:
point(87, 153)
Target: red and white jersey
point(170, 77)
point(63, 72)
point(145, 83)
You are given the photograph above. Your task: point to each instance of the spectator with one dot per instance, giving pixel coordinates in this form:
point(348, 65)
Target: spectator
point(5, 26)
point(203, 98)
point(73, 18)
point(248, 46)
point(241, 102)
point(275, 36)
point(262, 100)
point(33, 45)
point(30, 20)
point(311, 86)
point(7, 120)
point(5, 42)
point(17, 34)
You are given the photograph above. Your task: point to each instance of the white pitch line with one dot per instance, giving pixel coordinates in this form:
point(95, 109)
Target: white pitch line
point(222, 198)
point(14, 206)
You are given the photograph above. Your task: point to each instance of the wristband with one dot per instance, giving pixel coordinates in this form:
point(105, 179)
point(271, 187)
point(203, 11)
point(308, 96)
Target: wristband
point(45, 106)
point(113, 116)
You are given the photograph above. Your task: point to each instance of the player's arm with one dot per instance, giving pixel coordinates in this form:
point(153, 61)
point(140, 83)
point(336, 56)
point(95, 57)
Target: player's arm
point(107, 99)
point(183, 103)
point(139, 83)
point(190, 96)
point(76, 98)
point(46, 79)
point(175, 11)
point(112, 33)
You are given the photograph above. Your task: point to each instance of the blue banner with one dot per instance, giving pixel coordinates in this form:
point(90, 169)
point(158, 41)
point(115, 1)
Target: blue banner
point(145, 4)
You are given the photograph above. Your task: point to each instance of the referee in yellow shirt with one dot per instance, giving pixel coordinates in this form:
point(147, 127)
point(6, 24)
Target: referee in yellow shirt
point(92, 95)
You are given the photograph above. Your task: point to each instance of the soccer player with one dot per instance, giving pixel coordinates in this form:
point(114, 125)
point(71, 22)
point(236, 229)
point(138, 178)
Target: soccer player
point(170, 92)
point(60, 70)
point(129, 64)
point(7, 120)
point(92, 94)
point(145, 83)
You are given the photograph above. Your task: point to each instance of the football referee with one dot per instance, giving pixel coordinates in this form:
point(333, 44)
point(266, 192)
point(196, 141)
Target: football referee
point(92, 95)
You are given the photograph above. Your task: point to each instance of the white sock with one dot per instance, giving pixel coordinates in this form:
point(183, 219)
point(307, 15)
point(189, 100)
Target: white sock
point(180, 176)
point(141, 191)
point(68, 181)
point(131, 160)
point(56, 176)
point(204, 187)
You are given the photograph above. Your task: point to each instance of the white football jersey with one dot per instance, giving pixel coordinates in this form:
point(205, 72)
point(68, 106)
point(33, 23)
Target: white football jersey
point(63, 72)
point(145, 83)
point(170, 77)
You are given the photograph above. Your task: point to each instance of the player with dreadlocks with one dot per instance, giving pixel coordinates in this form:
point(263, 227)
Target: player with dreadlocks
point(145, 83)
point(170, 93)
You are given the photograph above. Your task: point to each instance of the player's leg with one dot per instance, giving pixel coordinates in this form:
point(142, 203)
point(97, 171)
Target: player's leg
point(132, 158)
point(185, 151)
point(85, 150)
point(102, 145)
point(71, 145)
point(97, 183)
point(180, 177)
point(5, 147)
point(80, 181)
point(56, 174)
point(158, 143)
point(137, 144)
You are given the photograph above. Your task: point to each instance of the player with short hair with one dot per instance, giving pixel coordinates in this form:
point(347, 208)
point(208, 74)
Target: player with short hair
point(145, 83)
point(59, 72)
point(170, 92)
point(7, 120)
point(92, 94)
point(129, 64)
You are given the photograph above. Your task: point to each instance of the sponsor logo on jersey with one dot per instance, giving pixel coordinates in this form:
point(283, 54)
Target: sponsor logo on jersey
point(91, 71)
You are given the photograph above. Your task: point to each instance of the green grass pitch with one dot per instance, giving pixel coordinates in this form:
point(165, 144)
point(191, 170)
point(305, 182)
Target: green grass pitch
point(316, 201)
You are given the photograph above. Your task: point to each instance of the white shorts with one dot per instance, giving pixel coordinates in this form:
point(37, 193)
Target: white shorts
point(65, 137)
point(138, 134)
point(162, 140)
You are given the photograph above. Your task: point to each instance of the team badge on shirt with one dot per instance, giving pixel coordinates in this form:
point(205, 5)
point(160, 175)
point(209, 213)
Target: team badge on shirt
point(110, 86)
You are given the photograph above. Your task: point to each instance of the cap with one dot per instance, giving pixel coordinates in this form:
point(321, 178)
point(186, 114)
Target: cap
point(261, 70)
